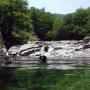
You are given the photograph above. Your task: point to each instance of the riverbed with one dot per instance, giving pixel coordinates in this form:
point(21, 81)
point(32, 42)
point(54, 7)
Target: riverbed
point(62, 55)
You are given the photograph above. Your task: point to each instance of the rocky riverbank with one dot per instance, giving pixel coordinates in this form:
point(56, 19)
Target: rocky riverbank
point(60, 54)
point(69, 49)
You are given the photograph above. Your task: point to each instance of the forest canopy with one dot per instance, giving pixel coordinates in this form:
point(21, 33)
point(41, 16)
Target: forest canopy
point(18, 23)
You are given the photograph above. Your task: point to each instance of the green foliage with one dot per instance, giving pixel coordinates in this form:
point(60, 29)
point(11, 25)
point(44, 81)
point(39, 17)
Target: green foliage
point(71, 26)
point(56, 26)
point(18, 23)
point(75, 25)
point(42, 22)
point(43, 79)
point(14, 17)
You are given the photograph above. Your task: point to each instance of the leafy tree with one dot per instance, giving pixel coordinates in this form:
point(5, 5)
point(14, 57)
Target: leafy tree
point(13, 18)
point(57, 25)
point(42, 22)
point(75, 25)
point(18, 23)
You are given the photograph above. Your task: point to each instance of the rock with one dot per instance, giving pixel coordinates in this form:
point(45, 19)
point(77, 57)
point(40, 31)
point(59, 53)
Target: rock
point(58, 48)
point(27, 46)
point(13, 50)
point(86, 43)
point(86, 40)
point(86, 46)
point(24, 49)
point(28, 52)
point(77, 49)
point(28, 49)
point(78, 42)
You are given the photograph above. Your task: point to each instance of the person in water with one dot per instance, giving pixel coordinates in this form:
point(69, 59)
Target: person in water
point(46, 48)
point(43, 58)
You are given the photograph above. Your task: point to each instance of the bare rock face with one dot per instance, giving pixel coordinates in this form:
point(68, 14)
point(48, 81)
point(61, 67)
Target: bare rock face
point(86, 40)
point(25, 49)
point(86, 46)
point(13, 50)
point(60, 49)
point(86, 43)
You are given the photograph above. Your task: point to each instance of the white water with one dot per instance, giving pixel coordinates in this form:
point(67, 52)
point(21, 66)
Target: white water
point(47, 54)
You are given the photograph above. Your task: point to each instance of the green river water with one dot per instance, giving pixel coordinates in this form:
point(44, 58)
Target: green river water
point(44, 79)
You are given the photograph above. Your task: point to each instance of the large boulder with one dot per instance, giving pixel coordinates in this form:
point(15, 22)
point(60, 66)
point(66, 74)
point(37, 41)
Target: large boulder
point(13, 50)
point(86, 40)
point(24, 49)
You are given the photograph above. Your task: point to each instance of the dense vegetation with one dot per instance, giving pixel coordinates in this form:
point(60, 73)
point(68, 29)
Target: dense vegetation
point(42, 79)
point(18, 23)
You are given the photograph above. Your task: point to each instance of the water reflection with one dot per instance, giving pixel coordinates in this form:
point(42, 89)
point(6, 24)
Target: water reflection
point(44, 79)
point(7, 78)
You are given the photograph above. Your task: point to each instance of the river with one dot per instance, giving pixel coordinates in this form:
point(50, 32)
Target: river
point(61, 55)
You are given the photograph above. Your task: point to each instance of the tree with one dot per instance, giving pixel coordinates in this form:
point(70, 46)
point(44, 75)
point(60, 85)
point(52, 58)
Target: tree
point(14, 17)
point(42, 22)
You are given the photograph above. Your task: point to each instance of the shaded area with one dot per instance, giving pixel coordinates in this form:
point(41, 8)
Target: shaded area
point(43, 79)
point(7, 78)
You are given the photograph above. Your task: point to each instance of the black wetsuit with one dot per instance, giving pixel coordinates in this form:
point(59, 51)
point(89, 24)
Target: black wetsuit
point(46, 48)
point(43, 59)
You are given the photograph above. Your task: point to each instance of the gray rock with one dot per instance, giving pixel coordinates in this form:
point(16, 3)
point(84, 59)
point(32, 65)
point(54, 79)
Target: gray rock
point(86, 40)
point(61, 49)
